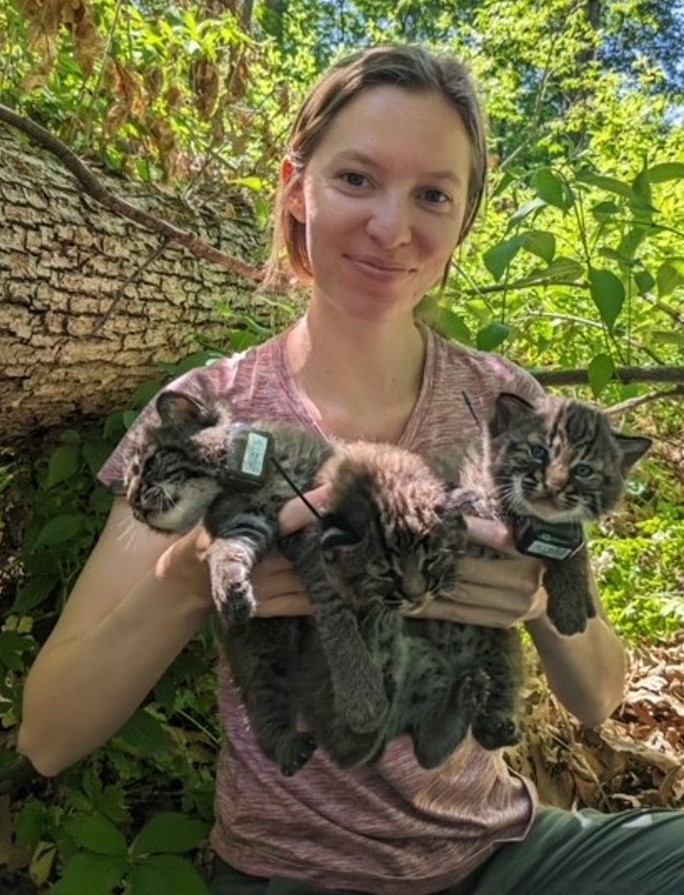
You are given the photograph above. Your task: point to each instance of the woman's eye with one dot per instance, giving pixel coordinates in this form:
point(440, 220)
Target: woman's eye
point(539, 453)
point(435, 196)
point(582, 471)
point(353, 178)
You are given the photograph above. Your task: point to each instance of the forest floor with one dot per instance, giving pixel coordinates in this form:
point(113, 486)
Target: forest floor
point(635, 759)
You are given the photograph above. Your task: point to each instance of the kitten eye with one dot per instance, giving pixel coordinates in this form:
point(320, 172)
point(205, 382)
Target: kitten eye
point(539, 453)
point(582, 471)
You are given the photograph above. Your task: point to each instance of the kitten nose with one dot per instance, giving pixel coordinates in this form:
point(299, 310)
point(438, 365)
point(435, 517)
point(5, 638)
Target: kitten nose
point(556, 478)
point(413, 584)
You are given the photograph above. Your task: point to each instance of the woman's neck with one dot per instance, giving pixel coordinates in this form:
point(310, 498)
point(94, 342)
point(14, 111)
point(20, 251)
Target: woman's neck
point(360, 378)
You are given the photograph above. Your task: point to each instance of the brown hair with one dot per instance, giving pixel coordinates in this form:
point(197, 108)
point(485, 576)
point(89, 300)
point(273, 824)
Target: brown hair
point(409, 67)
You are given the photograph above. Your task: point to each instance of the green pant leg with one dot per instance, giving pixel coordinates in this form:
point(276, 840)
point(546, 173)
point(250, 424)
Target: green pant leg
point(588, 852)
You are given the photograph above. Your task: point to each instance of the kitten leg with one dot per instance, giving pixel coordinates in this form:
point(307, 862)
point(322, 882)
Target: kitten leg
point(570, 601)
point(240, 541)
point(357, 680)
point(495, 725)
point(263, 656)
point(443, 730)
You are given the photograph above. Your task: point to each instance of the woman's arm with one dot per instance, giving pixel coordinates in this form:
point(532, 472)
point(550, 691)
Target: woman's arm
point(139, 599)
point(585, 671)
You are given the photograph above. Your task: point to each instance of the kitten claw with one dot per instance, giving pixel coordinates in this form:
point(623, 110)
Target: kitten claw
point(298, 749)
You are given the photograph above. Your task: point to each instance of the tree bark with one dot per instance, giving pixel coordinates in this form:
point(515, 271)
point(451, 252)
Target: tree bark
point(90, 303)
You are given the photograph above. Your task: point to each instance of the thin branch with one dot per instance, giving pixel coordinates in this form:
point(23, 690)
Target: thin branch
point(103, 318)
point(622, 374)
point(109, 200)
point(633, 403)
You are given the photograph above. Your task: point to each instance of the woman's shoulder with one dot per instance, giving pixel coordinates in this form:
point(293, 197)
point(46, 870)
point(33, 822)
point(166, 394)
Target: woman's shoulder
point(481, 373)
point(234, 375)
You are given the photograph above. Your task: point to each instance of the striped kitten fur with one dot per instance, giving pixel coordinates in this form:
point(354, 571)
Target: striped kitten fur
point(362, 671)
point(358, 671)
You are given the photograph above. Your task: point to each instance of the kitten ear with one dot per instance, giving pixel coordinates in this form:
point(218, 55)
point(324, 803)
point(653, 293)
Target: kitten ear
point(338, 533)
point(178, 407)
point(632, 448)
point(507, 409)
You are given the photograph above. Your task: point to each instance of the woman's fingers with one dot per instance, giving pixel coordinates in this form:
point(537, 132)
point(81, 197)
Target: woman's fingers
point(490, 533)
point(295, 514)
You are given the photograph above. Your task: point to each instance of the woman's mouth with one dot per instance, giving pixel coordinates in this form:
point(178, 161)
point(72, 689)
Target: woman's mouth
point(378, 269)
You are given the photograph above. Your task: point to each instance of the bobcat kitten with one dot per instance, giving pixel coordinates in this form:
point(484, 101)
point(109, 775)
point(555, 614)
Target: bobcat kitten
point(389, 543)
point(560, 462)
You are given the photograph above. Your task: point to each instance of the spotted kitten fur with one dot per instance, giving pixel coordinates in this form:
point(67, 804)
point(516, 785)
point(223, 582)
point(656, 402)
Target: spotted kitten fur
point(358, 671)
point(361, 671)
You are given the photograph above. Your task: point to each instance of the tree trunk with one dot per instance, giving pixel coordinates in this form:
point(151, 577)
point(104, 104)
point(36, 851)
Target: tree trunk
point(90, 303)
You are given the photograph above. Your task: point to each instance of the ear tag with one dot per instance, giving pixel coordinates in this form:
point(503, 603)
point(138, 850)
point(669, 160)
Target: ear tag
point(251, 453)
point(546, 540)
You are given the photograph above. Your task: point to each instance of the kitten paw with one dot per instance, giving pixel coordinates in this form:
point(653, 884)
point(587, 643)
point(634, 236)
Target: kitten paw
point(496, 731)
point(234, 600)
point(567, 625)
point(295, 752)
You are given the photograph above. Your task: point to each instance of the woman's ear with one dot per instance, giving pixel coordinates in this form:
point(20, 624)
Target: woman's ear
point(295, 194)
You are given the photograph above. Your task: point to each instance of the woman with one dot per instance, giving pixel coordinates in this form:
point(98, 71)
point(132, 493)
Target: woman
point(383, 178)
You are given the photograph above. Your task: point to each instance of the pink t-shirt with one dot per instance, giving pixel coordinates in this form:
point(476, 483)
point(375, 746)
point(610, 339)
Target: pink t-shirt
point(393, 828)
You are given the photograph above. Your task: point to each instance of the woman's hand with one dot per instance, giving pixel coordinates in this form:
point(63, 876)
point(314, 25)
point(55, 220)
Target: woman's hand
point(497, 589)
point(496, 592)
point(277, 588)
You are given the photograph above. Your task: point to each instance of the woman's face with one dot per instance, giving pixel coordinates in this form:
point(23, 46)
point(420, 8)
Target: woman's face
point(382, 200)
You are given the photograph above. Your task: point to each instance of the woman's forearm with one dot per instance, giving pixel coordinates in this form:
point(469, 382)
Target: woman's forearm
point(585, 671)
point(91, 675)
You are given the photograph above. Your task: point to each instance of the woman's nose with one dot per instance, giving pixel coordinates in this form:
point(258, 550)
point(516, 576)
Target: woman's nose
point(390, 222)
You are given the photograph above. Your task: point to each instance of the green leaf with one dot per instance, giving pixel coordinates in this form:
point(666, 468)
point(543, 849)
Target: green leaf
point(498, 257)
point(644, 282)
point(97, 834)
point(454, 326)
point(63, 464)
point(562, 270)
point(95, 454)
point(631, 241)
point(666, 171)
point(492, 335)
point(33, 593)
point(59, 529)
point(31, 824)
point(641, 187)
point(92, 874)
point(540, 243)
point(169, 833)
point(525, 211)
point(165, 874)
point(610, 184)
point(670, 275)
point(601, 370)
point(668, 338)
point(604, 210)
point(12, 645)
point(144, 731)
point(608, 294)
point(549, 187)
